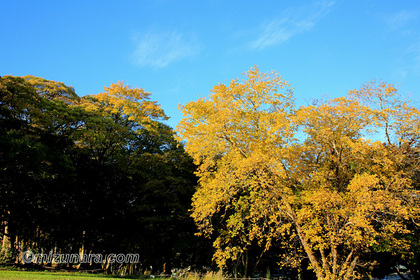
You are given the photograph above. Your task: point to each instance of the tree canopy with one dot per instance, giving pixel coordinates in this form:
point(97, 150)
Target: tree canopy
point(329, 189)
point(92, 174)
point(306, 180)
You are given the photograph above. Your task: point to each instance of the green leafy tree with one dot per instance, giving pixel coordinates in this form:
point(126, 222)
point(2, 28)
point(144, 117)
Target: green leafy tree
point(33, 159)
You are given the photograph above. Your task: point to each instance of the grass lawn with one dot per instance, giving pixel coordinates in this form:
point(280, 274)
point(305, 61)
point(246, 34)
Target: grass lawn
point(32, 275)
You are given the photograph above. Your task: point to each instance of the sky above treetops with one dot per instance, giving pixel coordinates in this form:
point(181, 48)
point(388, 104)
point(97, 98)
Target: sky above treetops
point(179, 50)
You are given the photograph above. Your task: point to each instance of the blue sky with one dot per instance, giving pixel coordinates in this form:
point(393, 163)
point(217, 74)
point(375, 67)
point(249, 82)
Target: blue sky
point(179, 50)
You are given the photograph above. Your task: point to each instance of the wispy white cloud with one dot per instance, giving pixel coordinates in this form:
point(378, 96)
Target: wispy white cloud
point(294, 22)
point(161, 49)
point(403, 24)
point(402, 19)
point(414, 49)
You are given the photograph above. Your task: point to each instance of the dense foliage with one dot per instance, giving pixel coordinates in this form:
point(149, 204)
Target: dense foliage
point(328, 191)
point(307, 183)
point(93, 174)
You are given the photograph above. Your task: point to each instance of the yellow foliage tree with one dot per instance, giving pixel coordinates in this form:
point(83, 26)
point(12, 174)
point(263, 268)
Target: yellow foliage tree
point(333, 190)
point(52, 90)
point(123, 113)
point(134, 104)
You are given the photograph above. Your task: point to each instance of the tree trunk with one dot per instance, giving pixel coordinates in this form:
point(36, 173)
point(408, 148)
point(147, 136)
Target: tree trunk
point(6, 244)
point(312, 258)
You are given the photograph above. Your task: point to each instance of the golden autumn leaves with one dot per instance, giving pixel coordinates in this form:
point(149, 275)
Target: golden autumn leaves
point(132, 103)
point(271, 174)
point(331, 182)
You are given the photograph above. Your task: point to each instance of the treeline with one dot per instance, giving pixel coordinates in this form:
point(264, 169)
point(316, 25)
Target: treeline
point(330, 190)
point(94, 174)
